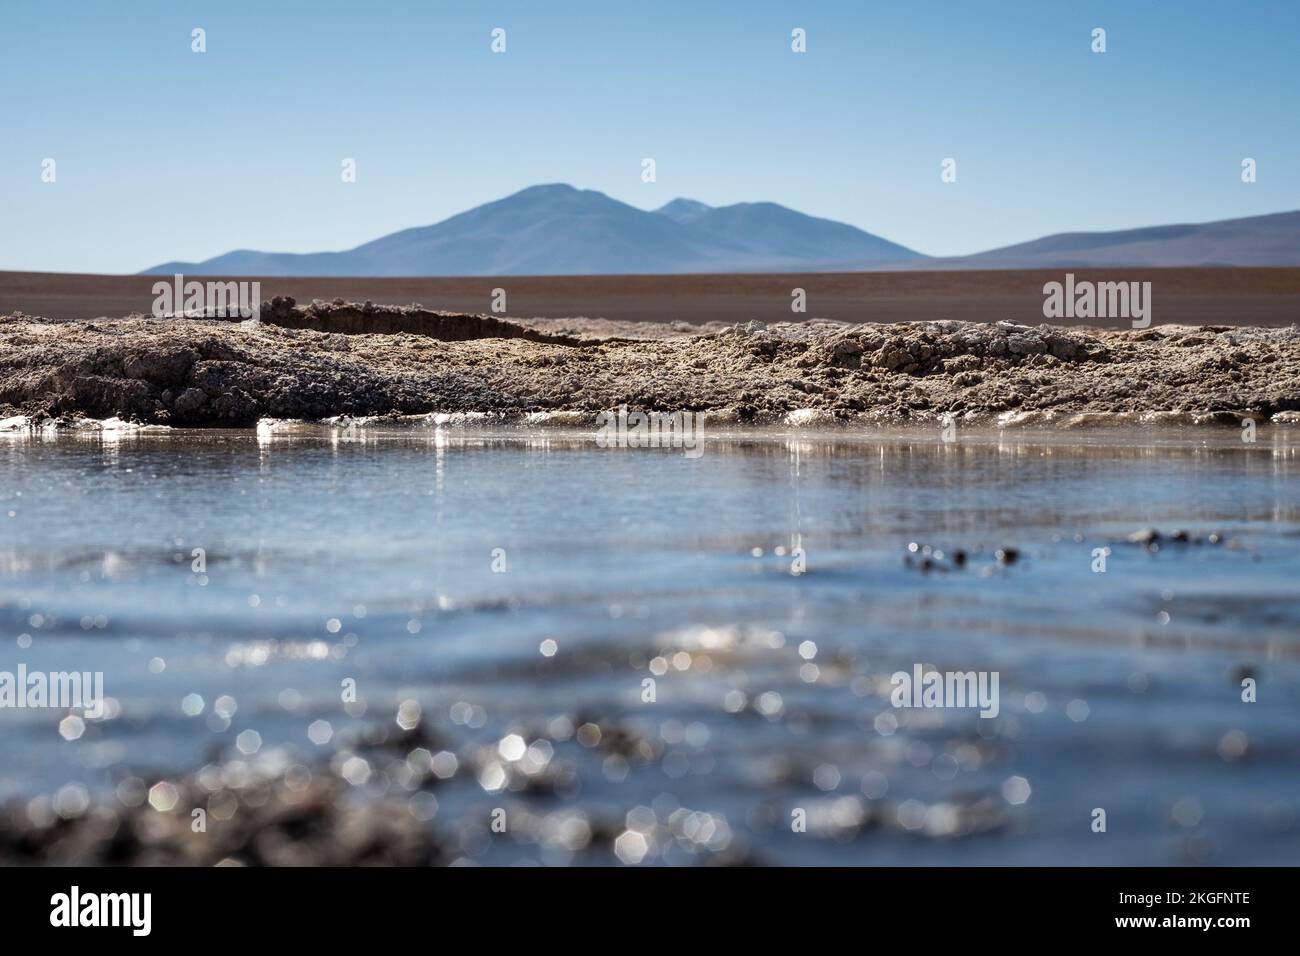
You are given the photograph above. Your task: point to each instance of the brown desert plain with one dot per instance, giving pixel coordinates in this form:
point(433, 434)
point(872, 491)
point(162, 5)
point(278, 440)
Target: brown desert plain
point(1183, 296)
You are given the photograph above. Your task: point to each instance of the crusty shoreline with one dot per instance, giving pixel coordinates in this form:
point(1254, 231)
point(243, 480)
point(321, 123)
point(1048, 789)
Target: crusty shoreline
point(187, 372)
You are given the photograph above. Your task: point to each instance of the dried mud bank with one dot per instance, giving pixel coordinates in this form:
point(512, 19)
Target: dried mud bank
point(213, 373)
point(357, 318)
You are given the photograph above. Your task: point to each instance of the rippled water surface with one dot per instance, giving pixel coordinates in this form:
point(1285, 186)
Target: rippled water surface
point(638, 573)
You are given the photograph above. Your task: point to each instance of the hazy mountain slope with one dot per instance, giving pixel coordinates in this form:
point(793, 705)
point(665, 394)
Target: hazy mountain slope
point(1272, 240)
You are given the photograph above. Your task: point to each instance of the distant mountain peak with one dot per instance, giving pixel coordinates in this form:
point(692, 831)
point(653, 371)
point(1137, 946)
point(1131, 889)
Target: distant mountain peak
point(558, 229)
point(684, 210)
point(546, 189)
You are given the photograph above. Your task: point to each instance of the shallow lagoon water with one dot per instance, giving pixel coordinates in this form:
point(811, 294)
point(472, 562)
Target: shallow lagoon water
point(370, 557)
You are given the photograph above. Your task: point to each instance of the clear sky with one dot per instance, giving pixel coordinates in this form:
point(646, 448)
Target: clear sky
point(163, 153)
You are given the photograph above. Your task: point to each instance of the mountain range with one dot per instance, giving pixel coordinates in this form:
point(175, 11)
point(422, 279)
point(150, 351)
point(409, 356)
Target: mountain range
point(559, 230)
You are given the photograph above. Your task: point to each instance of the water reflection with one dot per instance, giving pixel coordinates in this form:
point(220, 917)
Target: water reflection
point(368, 556)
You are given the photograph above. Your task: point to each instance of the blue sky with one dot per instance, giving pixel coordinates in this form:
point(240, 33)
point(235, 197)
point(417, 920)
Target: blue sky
point(167, 154)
